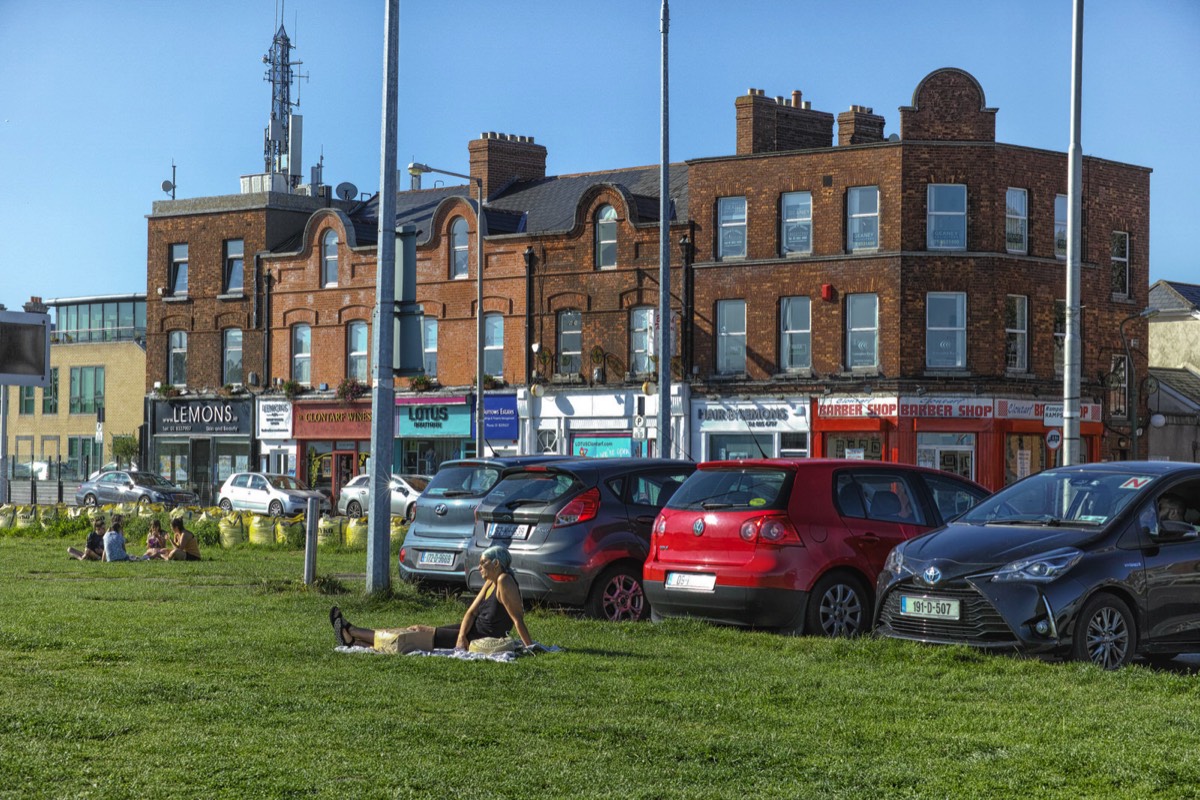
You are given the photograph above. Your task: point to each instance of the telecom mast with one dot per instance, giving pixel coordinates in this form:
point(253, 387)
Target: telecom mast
point(282, 137)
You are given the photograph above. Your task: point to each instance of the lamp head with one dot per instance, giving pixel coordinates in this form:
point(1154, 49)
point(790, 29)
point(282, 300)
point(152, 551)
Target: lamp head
point(416, 168)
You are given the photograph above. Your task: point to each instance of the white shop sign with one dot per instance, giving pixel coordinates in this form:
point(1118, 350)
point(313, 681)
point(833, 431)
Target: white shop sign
point(718, 417)
point(274, 419)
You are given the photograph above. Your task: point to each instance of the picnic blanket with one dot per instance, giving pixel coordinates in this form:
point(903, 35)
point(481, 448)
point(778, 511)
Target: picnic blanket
point(463, 655)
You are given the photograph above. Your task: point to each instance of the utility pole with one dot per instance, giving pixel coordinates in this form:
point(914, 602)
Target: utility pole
point(664, 258)
point(1071, 348)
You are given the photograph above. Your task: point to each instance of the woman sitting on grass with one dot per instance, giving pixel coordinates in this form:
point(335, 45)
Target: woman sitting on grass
point(186, 548)
point(93, 550)
point(496, 610)
point(156, 542)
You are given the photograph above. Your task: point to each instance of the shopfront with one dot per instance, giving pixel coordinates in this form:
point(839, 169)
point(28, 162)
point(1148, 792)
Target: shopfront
point(756, 428)
point(273, 428)
point(430, 430)
point(333, 443)
point(198, 443)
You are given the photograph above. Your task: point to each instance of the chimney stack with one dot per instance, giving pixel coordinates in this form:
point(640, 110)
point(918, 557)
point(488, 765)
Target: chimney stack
point(859, 125)
point(500, 158)
point(774, 124)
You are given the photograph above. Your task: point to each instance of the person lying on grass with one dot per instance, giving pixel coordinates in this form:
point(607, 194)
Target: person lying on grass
point(186, 548)
point(496, 610)
point(93, 550)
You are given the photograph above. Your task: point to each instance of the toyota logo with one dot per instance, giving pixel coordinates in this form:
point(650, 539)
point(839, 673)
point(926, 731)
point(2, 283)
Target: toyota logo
point(932, 575)
point(698, 527)
point(440, 509)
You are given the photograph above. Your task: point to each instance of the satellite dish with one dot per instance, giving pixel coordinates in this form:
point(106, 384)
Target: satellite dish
point(895, 137)
point(346, 191)
point(167, 186)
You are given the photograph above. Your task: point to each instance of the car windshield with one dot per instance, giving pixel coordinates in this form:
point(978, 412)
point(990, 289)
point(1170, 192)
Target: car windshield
point(466, 480)
point(1074, 497)
point(529, 489)
point(150, 479)
point(286, 483)
point(754, 488)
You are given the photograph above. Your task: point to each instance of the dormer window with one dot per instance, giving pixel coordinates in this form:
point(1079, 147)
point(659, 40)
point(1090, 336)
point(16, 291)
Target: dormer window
point(458, 249)
point(606, 237)
point(329, 259)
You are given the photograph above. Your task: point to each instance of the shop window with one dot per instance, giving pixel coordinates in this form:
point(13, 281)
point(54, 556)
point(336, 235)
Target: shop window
point(493, 345)
point(1024, 455)
point(731, 336)
point(795, 218)
point(946, 330)
point(949, 452)
point(231, 360)
point(356, 351)
point(724, 446)
point(862, 218)
point(793, 445)
point(1120, 263)
point(641, 346)
point(731, 225)
point(1118, 388)
point(1016, 221)
point(177, 272)
point(234, 266)
point(795, 334)
point(459, 249)
point(862, 330)
point(868, 446)
point(1060, 226)
point(302, 354)
point(570, 342)
point(1016, 333)
point(429, 336)
point(329, 259)
point(177, 358)
point(606, 237)
point(946, 217)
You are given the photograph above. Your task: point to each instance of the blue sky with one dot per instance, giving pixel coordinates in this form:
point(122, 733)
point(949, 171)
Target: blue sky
point(97, 98)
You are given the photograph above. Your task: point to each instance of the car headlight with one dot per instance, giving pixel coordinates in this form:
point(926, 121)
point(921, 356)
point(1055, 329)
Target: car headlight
point(895, 563)
point(1040, 568)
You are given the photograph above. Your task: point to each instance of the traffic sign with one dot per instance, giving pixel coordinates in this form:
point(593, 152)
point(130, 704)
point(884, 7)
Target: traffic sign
point(1053, 438)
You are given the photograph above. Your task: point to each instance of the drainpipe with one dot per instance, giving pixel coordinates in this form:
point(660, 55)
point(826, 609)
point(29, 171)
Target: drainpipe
point(266, 324)
point(528, 315)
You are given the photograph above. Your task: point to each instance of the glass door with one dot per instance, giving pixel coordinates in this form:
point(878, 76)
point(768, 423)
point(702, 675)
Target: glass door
point(343, 470)
point(201, 470)
point(949, 452)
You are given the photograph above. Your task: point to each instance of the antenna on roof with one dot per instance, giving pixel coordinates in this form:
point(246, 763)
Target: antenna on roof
point(169, 186)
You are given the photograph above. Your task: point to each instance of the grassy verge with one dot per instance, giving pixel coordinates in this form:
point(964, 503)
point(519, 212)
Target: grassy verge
point(219, 679)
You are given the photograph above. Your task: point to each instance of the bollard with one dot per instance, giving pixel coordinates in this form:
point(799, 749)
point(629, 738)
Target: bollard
point(32, 486)
point(60, 479)
point(310, 542)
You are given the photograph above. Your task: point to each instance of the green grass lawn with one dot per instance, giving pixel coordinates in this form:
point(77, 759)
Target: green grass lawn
point(219, 679)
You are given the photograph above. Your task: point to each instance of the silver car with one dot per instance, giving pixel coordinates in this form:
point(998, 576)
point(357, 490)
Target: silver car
point(356, 495)
point(270, 494)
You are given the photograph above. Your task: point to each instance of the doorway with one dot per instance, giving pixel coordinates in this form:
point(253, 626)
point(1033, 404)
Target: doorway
point(949, 452)
point(344, 462)
point(201, 470)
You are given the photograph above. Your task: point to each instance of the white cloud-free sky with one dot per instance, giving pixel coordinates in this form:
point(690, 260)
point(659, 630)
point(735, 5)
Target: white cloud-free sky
point(97, 98)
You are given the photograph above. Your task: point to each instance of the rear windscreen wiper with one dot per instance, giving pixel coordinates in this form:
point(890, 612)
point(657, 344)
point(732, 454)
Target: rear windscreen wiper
point(458, 493)
point(709, 506)
point(524, 501)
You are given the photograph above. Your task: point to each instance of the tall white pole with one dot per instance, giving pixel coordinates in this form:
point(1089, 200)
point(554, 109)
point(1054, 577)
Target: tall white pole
point(1072, 451)
point(383, 392)
point(480, 440)
point(664, 259)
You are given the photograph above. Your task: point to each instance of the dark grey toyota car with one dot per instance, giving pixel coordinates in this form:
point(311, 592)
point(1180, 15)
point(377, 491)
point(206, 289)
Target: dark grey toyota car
point(1099, 563)
point(578, 531)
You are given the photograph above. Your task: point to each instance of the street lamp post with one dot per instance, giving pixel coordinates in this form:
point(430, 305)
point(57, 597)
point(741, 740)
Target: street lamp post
point(417, 169)
point(1131, 377)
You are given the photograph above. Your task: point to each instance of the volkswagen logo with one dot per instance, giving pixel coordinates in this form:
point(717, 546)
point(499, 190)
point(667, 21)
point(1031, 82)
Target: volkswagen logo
point(698, 527)
point(932, 575)
point(440, 509)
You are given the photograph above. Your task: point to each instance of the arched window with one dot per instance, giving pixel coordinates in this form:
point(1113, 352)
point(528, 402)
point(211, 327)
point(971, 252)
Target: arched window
point(606, 237)
point(177, 359)
point(570, 342)
point(329, 259)
point(458, 248)
point(302, 354)
point(356, 351)
point(231, 357)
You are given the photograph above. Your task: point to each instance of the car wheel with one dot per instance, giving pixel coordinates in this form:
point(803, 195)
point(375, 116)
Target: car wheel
point(411, 513)
point(838, 606)
point(275, 509)
point(617, 596)
point(1104, 633)
point(225, 505)
point(89, 499)
point(354, 509)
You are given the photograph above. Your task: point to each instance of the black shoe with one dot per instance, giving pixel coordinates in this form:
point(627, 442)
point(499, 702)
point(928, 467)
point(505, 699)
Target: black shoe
point(341, 632)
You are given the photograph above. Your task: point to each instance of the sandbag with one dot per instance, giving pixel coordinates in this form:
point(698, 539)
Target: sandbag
point(185, 513)
point(26, 517)
point(357, 531)
point(330, 530)
point(7, 513)
point(261, 530)
point(399, 529)
point(233, 529)
point(290, 531)
point(150, 510)
point(51, 513)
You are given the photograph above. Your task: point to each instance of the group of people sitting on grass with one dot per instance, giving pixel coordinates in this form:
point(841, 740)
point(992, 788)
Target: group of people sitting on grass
point(109, 545)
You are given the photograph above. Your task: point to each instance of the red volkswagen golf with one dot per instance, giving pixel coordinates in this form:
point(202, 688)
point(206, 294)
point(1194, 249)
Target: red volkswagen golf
point(791, 544)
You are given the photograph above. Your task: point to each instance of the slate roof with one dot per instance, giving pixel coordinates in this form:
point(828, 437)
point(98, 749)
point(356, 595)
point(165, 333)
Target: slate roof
point(1183, 381)
point(1175, 296)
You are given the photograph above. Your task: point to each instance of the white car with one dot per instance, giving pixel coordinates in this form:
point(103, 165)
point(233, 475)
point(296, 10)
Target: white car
point(355, 496)
point(270, 494)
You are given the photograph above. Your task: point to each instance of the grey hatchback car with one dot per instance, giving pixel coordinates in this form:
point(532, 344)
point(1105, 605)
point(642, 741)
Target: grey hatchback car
point(444, 517)
point(578, 531)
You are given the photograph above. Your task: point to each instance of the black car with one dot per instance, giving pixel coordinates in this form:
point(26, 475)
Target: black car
point(578, 531)
point(1099, 563)
point(131, 486)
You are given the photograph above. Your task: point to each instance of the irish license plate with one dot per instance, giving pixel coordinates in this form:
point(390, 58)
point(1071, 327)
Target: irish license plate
point(692, 581)
point(507, 530)
point(928, 607)
point(433, 558)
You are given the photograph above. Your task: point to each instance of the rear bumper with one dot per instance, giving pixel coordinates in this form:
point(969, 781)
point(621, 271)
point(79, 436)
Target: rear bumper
point(745, 606)
point(412, 571)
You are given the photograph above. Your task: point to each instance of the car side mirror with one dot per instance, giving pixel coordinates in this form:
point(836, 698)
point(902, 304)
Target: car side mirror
point(1171, 530)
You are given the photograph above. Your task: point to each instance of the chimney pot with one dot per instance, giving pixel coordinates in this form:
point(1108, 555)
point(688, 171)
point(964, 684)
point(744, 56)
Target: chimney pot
point(751, 91)
point(807, 105)
point(795, 98)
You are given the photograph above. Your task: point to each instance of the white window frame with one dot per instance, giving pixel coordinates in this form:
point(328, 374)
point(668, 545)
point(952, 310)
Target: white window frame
point(429, 337)
point(1122, 262)
point(357, 364)
point(179, 270)
point(235, 257)
point(731, 341)
point(227, 349)
point(493, 345)
point(856, 328)
point(177, 358)
point(1060, 225)
point(1016, 333)
point(460, 252)
point(606, 237)
point(935, 334)
point(302, 358)
point(801, 334)
point(641, 339)
point(570, 342)
point(1016, 221)
point(731, 218)
point(936, 195)
point(329, 259)
point(855, 218)
point(797, 217)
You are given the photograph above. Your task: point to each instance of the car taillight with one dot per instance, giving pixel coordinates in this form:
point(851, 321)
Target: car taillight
point(749, 529)
point(402, 551)
point(772, 530)
point(661, 525)
point(581, 509)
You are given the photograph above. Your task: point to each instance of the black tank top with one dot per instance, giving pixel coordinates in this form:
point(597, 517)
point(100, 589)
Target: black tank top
point(493, 619)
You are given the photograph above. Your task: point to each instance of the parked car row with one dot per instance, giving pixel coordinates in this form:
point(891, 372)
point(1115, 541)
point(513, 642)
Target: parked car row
point(132, 486)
